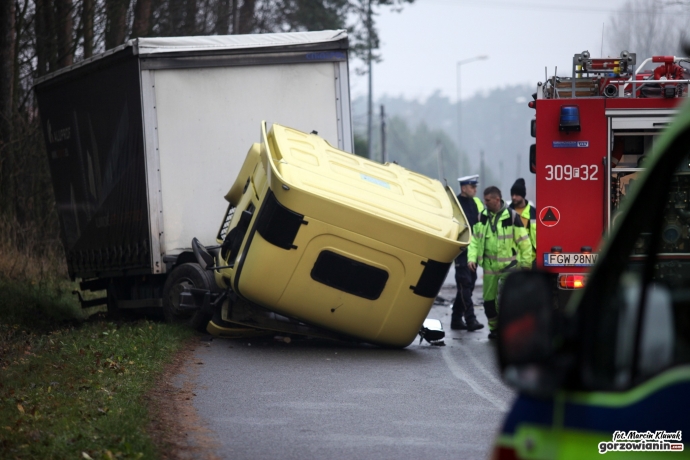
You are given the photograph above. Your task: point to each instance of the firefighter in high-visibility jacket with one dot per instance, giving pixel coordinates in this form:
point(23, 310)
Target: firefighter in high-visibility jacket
point(500, 244)
point(527, 212)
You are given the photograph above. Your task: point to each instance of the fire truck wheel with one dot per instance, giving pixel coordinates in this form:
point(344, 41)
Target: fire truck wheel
point(188, 275)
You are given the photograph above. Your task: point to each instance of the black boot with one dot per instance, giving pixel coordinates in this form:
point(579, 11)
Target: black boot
point(457, 325)
point(474, 325)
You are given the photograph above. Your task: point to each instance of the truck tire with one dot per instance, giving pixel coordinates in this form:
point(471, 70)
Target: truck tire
point(186, 275)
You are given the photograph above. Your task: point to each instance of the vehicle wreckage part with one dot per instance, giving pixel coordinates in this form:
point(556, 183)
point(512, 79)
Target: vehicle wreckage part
point(351, 247)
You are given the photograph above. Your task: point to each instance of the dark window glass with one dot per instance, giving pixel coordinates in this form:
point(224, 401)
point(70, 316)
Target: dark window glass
point(349, 275)
point(637, 320)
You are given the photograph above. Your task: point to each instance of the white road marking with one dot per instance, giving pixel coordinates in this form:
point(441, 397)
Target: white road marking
point(482, 368)
point(462, 374)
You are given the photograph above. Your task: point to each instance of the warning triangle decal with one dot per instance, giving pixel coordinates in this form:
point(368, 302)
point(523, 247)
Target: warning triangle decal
point(549, 216)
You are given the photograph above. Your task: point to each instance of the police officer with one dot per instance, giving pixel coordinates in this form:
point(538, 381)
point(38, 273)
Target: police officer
point(527, 212)
point(500, 244)
point(464, 277)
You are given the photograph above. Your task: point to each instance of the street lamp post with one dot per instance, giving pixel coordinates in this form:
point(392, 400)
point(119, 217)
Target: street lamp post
point(459, 103)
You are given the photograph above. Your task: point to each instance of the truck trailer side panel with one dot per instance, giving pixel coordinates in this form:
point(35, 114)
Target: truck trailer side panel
point(96, 160)
point(206, 118)
point(145, 140)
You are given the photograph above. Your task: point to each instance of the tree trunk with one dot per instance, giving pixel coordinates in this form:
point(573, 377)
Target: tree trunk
point(63, 10)
point(142, 18)
point(235, 17)
point(49, 35)
point(190, 18)
point(41, 33)
point(7, 63)
point(223, 21)
point(87, 20)
point(247, 16)
point(20, 30)
point(7, 38)
point(116, 22)
point(176, 10)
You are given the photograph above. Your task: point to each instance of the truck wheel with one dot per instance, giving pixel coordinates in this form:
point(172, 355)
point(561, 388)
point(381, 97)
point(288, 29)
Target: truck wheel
point(189, 275)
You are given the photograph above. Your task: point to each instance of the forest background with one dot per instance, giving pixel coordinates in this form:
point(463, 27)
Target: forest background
point(41, 36)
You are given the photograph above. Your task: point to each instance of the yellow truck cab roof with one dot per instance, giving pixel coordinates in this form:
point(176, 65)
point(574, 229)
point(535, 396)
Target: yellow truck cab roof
point(388, 191)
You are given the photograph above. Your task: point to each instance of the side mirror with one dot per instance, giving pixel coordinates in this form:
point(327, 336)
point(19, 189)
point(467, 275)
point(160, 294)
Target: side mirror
point(203, 257)
point(533, 127)
point(527, 329)
point(533, 158)
point(432, 331)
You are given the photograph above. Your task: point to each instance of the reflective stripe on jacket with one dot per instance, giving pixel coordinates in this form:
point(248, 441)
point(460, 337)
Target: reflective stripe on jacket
point(502, 247)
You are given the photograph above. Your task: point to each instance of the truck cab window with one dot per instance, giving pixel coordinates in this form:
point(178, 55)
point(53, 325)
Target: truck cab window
point(641, 323)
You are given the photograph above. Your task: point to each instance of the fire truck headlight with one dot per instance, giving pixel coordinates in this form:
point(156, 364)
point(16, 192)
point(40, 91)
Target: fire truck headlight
point(570, 118)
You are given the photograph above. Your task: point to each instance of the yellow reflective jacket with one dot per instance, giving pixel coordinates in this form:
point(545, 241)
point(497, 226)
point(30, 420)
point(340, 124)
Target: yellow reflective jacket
point(480, 205)
point(530, 215)
point(500, 242)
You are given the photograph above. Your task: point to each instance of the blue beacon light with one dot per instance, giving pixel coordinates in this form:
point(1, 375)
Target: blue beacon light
point(570, 118)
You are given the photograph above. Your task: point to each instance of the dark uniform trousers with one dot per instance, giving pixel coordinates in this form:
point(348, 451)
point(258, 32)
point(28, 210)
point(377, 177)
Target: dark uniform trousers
point(465, 279)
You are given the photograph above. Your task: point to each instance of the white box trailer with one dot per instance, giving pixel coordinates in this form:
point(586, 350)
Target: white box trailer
point(145, 139)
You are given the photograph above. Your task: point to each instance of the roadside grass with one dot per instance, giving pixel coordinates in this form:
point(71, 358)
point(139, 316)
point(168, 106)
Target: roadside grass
point(73, 385)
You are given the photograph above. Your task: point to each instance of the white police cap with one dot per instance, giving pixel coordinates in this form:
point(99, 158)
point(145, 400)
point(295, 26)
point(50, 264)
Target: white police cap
point(469, 180)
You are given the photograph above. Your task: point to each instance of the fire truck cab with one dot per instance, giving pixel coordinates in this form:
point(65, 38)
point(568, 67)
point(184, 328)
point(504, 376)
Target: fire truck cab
point(593, 131)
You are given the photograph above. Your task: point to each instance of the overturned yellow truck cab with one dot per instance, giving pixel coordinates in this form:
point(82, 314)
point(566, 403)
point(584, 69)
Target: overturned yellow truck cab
point(319, 241)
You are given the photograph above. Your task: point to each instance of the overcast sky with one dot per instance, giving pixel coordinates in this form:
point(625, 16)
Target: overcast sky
point(422, 44)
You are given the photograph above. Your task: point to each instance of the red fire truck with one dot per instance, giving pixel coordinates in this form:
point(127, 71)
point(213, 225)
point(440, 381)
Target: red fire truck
point(592, 131)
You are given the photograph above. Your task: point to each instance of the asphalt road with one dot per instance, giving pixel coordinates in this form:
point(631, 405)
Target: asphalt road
point(314, 399)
